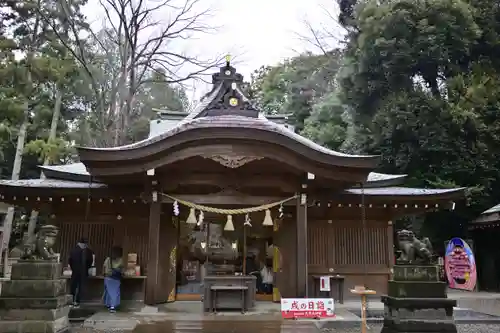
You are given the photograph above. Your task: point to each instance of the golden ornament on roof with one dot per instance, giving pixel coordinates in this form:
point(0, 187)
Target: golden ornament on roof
point(233, 101)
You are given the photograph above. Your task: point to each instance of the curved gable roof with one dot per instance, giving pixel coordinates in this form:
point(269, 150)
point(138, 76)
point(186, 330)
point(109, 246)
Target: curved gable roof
point(229, 113)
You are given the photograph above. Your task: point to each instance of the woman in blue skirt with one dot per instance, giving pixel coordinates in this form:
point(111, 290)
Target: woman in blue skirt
point(113, 271)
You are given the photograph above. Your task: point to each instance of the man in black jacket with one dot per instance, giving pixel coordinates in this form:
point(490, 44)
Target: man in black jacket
point(80, 260)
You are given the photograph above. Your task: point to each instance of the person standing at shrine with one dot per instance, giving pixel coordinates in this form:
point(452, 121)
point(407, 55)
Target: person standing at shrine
point(267, 277)
point(113, 272)
point(80, 261)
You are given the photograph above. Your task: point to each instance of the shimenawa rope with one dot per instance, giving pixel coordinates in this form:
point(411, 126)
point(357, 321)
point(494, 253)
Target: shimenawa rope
point(237, 211)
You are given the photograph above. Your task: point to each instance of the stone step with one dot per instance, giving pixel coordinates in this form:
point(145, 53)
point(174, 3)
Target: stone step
point(490, 306)
point(35, 326)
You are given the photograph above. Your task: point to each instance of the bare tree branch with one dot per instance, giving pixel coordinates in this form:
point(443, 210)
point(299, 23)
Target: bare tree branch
point(141, 38)
point(320, 35)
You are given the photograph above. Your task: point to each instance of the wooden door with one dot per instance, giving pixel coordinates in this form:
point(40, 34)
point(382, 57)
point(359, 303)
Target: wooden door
point(285, 259)
point(167, 259)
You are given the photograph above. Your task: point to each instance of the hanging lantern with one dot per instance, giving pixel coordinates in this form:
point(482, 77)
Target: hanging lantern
point(229, 224)
point(192, 217)
point(268, 220)
point(201, 216)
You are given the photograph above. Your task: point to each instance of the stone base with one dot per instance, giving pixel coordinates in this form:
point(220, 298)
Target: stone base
point(416, 273)
point(60, 325)
point(35, 303)
point(419, 315)
point(34, 314)
point(419, 326)
point(417, 289)
point(36, 270)
point(33, 288)
point(34, 300)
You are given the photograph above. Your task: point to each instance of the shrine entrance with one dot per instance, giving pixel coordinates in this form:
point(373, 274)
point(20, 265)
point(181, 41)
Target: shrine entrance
point(220, 245)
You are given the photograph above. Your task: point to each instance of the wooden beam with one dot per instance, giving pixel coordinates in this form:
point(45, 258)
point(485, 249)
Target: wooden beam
point(232, 180)
point(350, 270)
point(301, 246)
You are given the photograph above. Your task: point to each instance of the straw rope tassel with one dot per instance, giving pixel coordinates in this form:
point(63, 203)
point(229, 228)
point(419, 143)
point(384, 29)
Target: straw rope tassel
point(268, 220)
point(229, 224)
point(192, 217)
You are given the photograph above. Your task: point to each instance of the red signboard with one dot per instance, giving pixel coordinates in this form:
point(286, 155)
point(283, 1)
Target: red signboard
point(292, 308)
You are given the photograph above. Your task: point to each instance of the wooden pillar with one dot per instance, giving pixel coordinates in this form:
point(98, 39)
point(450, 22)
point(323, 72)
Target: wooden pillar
point(302, 246)
point(390, 246)
point(153, 252)
point(285, 260)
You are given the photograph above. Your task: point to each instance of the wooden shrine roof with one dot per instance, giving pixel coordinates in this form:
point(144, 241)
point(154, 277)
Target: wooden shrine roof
point(453, 193)
point(78, 172)
point(72, 180)
point(375, 192)
point(489, 218)
point(226, 115)
point(49, 184)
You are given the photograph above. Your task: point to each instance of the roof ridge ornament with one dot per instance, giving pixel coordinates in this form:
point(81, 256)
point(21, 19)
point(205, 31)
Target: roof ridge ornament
point(231, 98)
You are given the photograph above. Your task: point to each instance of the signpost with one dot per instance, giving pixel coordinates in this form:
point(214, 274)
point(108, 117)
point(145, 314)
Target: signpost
point(460, 265)
point(363, 292)
point(312, 308)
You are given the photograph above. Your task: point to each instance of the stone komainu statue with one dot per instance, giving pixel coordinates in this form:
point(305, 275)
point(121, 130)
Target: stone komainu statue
point(413, 250)
point(40, 246)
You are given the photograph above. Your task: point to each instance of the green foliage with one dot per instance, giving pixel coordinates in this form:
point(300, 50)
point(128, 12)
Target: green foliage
point(55, 152)
point(402, 44)
point(293, 86)
point(30, 71)
point(418, 83)
point(326, 125)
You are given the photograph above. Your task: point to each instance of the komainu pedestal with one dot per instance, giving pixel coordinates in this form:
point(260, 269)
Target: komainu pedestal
point(417, 302)
point(35, 299)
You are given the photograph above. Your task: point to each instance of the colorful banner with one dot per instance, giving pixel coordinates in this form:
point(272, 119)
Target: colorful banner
point(314, 308)
point(460, 265)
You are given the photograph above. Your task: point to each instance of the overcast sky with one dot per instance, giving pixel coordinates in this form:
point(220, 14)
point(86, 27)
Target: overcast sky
point(262, 32)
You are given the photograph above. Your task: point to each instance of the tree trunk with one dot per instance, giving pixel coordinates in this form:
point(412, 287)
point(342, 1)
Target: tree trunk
point(121, 103)
point(52, 137)
point(16, 170)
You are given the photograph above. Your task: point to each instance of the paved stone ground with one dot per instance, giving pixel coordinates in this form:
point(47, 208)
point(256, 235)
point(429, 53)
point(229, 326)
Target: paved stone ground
point(188, 317)
point(229, 327)
point(465, 328)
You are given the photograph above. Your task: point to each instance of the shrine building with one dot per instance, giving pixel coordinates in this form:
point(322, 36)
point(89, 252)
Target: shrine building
point(268, 195)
